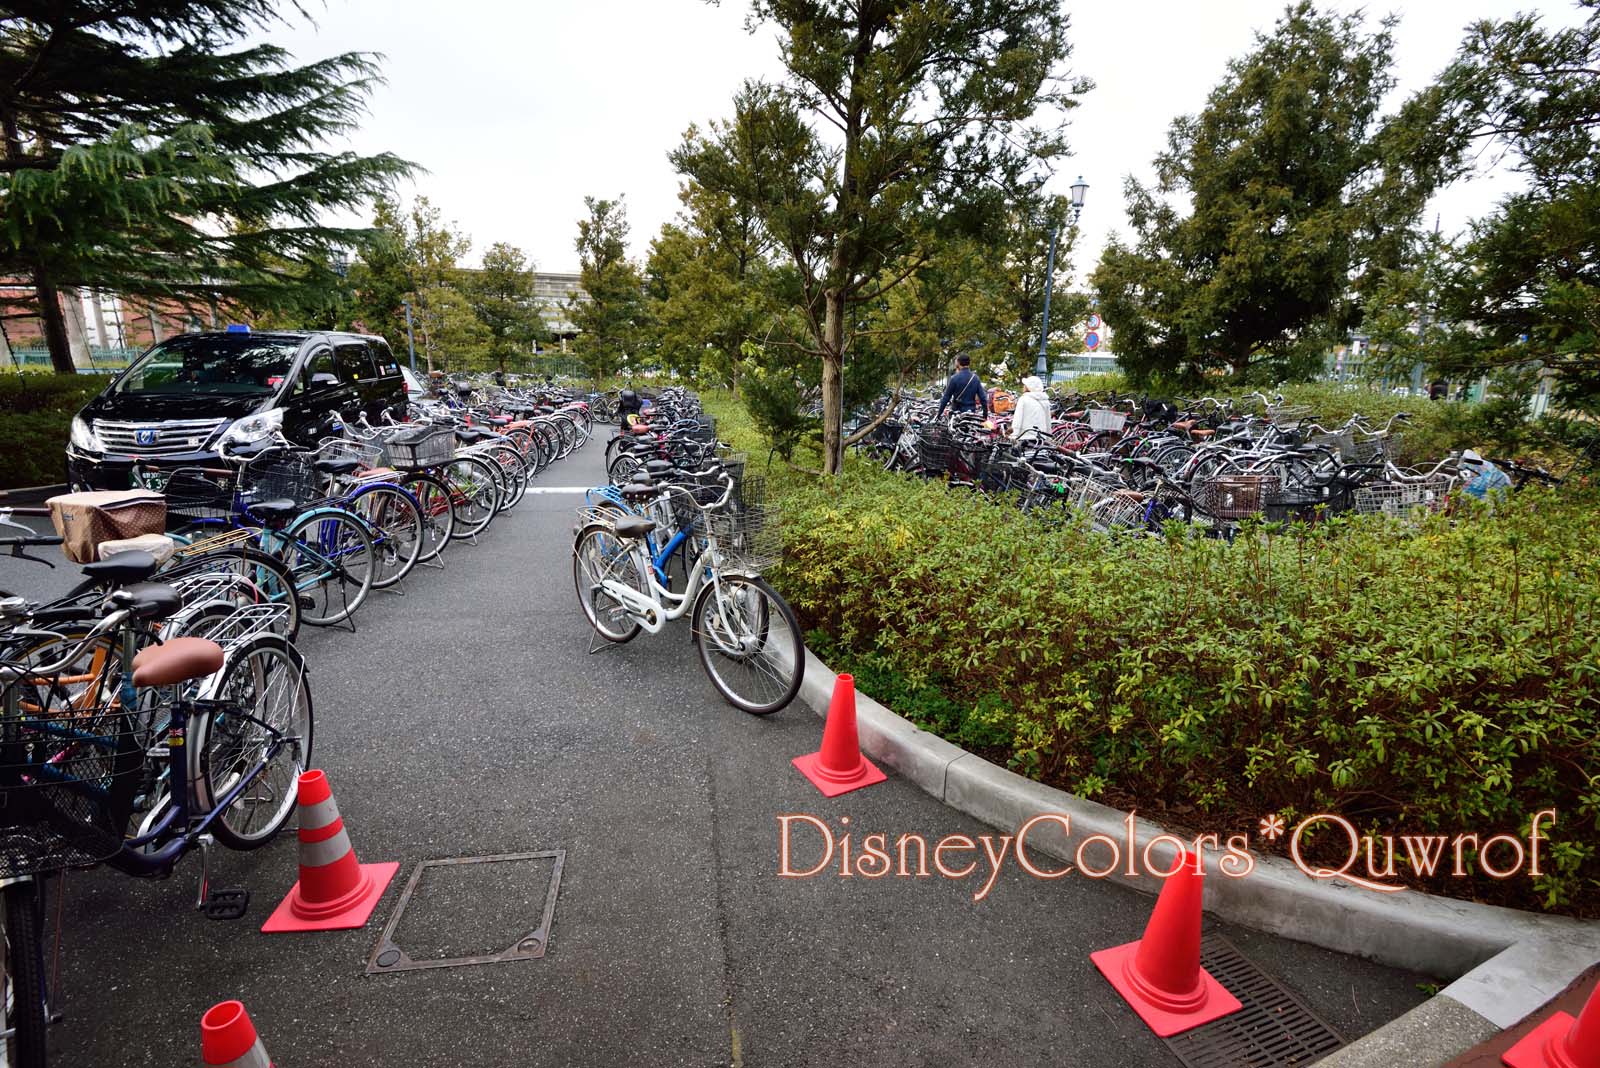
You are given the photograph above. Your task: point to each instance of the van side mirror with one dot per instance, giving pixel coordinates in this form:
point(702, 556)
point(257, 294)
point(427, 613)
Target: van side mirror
point(323, 380)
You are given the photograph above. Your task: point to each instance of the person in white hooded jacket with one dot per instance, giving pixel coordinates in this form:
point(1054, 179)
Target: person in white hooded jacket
point(1033, 409)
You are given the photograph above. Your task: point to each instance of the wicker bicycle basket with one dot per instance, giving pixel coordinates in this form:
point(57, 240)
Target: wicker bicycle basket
point(70, 763)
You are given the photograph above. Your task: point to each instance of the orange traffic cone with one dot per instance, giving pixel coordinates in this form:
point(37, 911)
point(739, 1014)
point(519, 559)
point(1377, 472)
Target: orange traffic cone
point(1561, 1041)
point(229, 1039)
point(838, 767)
point(335, 890)
point(1160, 975)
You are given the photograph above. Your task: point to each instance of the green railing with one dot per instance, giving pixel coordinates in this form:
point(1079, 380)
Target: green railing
point(100, 360)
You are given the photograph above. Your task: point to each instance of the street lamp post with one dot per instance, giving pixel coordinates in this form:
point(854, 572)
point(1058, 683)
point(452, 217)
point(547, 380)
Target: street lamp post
point(1078, 189)
point(411, 342)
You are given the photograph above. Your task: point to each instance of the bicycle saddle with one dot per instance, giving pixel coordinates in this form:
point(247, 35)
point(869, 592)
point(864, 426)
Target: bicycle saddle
point(660, 468)
point(634, 526)
point(468, 435)
point(148, 600)
point(639, 491)
point(119, 569)
point(343, 466)
point(177, 660)
point(277, 508)
point(498, 420)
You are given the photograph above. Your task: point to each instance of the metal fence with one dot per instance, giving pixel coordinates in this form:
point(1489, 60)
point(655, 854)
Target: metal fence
point(103, 361)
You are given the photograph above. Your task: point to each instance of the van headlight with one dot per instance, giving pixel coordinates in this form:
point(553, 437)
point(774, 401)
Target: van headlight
point(84, 438)
point(253, 428)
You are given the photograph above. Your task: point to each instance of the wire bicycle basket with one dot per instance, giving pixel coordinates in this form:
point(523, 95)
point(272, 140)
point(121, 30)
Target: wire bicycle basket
point(284, 478)
point(1235, 496)
point(410, 448)
point(748, 536)
point(1404, 499)
point(70, 763)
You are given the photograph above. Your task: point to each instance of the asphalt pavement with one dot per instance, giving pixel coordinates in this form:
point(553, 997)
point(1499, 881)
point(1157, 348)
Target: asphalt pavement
point(466, 717)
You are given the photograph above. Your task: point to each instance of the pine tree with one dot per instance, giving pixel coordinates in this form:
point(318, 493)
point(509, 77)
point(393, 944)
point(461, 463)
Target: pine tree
point(609, 319)
point(149, 152)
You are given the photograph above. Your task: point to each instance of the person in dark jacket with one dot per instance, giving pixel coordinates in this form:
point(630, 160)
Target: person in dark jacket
point(963, 392)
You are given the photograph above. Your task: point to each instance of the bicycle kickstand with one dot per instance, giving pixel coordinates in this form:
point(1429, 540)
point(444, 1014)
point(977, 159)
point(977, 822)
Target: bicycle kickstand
point(223, 903)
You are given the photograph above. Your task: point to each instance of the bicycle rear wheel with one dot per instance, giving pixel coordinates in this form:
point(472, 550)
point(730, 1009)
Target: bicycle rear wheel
point(24, 997)
point(266, 575)
point(598, 554)
point(749, 643)
point(262, 699)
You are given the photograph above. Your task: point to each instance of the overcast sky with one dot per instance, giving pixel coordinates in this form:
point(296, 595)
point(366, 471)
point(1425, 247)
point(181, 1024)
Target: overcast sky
point(520, 109)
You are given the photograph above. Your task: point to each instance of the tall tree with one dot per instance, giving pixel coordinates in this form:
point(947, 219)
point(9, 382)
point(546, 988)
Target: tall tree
point(1521, 291)
point(149, 152)
point(1294, 183)
point(899, 122)
point(502, 299)
point(411, 256)
point(610, 308)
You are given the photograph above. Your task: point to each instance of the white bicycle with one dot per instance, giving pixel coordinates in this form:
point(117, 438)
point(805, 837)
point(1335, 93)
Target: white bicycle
point(746, 635)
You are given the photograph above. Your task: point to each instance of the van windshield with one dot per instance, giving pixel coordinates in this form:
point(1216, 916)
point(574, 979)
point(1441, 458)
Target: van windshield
point(236, 364)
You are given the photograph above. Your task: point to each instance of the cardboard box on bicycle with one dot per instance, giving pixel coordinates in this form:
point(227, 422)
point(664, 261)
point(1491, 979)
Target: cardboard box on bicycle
point(84, 520)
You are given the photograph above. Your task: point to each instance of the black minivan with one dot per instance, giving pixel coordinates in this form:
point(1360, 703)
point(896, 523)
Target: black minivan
point(173, 405)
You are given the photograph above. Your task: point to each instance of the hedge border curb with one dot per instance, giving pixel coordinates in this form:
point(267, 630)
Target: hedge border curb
point(1506, 963)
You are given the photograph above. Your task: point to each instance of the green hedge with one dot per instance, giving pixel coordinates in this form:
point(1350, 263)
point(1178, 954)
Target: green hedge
point(35, 413)
point(1440, 679)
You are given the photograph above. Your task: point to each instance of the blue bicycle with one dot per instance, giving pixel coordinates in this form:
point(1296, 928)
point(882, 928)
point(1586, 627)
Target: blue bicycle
point(163, 750)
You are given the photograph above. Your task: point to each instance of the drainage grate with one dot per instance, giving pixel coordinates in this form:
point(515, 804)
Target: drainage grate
point(1273, 1030)
point(388, 957)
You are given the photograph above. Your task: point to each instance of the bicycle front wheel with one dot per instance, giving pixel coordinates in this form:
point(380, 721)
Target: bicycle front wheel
point(395, 523)
point(749, 643)
point(25, 995)
point(330, 555)
point(258, 733)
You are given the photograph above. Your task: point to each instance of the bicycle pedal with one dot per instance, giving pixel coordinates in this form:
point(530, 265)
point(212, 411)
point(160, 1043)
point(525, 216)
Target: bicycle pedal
point(226, 903)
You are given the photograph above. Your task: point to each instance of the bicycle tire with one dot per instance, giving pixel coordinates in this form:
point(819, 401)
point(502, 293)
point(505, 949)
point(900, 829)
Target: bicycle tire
point(395, 523)
point(758, 627)
point(474, 495)
point(25, 999)
point(438, 515)
point(222, 741)
point(341, 542)
point(593, 552)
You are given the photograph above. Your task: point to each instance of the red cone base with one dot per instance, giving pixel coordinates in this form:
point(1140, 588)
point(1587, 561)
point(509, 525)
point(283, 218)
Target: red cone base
point(1166, 1016)
point(353, 910)
point(838, 767)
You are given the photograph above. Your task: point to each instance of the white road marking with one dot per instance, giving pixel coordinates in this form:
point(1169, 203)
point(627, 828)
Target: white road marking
point(559, 489)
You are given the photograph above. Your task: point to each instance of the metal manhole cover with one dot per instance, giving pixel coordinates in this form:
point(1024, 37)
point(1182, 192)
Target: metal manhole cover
point(428, 939)
point(1274, 1029)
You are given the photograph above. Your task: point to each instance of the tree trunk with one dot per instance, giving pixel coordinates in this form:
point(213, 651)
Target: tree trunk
point(54, 325)
point(77, 329)
point(833, 382)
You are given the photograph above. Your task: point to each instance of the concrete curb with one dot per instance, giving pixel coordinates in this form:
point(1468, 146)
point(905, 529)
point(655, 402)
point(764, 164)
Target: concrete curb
point(1509, 963)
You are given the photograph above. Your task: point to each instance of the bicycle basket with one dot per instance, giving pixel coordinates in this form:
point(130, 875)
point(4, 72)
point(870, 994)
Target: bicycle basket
point(748, 536)
point(284, 478)
point(420, 447)
point(1402, 499)
point(1367, 450)
point(1235, 496)
point(1103, 419)
point(367, 454)
point(70, 763)
point(194, 494)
